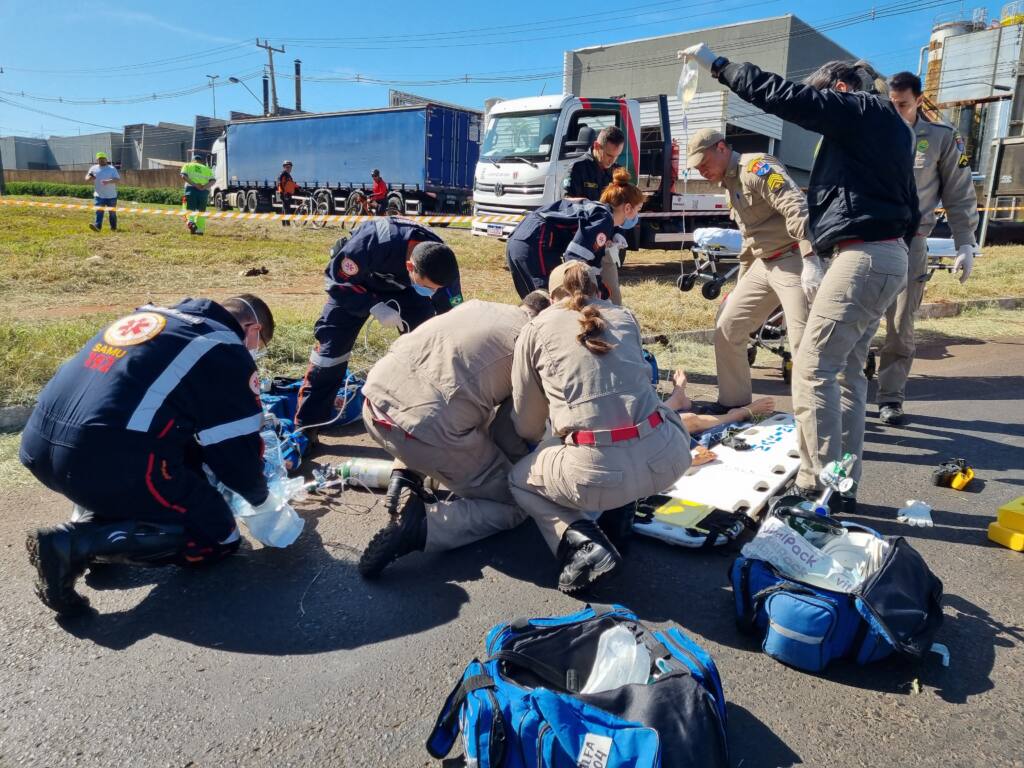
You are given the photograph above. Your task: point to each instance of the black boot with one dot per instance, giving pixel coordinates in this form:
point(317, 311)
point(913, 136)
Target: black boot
point(586, 557)
point(617, 525)
point(401, 478)
point(406, 532)
point(62, 553)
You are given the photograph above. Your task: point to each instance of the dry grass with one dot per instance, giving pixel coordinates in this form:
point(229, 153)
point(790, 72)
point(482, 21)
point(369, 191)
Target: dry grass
point(59, 282)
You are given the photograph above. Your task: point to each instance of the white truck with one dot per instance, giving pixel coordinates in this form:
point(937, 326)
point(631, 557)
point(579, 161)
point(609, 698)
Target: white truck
point(530, 144)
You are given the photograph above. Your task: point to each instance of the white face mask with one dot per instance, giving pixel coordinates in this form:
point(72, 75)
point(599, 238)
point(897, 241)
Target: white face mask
point(257, 354)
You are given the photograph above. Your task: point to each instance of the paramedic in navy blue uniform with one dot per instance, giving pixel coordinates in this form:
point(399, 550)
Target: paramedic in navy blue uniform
point(592, 172)
point(393, 269)
point(584, 231)
point(124, 427)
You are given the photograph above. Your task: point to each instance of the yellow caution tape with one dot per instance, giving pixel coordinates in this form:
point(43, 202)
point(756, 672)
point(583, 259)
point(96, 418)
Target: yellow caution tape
point(229, 215)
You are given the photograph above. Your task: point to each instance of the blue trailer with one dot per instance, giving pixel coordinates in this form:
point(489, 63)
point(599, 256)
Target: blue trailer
point(426, 153)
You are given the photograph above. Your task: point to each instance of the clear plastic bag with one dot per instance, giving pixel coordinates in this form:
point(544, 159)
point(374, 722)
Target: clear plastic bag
point(687, 87)
point(620, 661)
point(281, 525)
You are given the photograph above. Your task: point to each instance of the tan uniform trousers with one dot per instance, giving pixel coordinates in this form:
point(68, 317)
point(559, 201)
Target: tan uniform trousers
point(897, 355)
point(829, 385)
point(560, 484)
point(762, 287)
point(475, 469)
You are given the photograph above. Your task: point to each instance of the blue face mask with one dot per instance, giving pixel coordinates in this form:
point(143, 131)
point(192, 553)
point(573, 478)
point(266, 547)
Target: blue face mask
point(630, 223)
point(422, 290)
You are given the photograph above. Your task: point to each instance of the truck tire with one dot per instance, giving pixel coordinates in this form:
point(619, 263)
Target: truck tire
point(394, 206)
point(240, 200)
point(252, 201)
point(324, 201)
point(354, 204)
point(218, 200)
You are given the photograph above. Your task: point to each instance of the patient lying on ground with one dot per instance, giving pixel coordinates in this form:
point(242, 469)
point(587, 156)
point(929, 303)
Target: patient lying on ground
point(680, 402)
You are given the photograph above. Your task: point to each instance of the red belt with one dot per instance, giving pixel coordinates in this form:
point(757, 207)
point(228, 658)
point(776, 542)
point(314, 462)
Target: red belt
point(614, 435)
point(779, 254)
point(844, 243)
point(383, 421)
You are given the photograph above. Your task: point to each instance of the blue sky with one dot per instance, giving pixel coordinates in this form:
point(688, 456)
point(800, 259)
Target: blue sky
point(116, 50)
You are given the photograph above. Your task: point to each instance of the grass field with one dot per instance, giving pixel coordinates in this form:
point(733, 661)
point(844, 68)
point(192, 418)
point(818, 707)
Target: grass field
point(59, 282)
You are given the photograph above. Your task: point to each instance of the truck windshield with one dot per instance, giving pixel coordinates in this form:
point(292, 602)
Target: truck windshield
point(529, 135)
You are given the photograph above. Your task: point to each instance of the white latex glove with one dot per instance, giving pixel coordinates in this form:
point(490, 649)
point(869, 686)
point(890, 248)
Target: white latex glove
point(964, 262)
point(701, 54)
point(388, 316)
point(917, 514)
point(811, 276)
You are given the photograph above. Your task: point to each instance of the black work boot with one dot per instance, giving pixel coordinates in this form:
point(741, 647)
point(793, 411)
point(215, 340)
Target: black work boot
point(586, 557)
point(617, 525)
point(891, 414)
point(406, 532)
point(401, 478)
point(62, 553)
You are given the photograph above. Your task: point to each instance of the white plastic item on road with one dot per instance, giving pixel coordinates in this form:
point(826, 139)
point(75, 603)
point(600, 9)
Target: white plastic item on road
point(916, 513)
point(620, 661)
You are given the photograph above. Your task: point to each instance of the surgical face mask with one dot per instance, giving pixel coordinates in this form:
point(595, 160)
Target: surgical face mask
point(630, 223)
point(422, 290)
point(258, 354)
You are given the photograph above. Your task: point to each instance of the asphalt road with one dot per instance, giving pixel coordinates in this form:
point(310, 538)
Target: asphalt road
point(286, 658)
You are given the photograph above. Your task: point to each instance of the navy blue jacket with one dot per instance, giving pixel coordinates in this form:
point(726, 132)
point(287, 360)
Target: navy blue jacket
point(373, 260)
point(162, 379)
point(862, 182)
point(567, 230)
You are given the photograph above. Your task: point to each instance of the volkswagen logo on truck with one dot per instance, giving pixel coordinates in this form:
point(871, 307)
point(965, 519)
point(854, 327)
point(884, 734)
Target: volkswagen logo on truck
point(499, 189)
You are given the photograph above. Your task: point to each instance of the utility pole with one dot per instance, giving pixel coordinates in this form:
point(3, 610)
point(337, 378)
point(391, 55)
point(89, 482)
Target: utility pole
point(271, 50)
point(213, 90)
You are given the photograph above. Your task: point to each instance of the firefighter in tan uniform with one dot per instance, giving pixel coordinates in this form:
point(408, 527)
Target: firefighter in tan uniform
point(943, 178)
point(771, 213)
point(431, 403)
point(581, 366)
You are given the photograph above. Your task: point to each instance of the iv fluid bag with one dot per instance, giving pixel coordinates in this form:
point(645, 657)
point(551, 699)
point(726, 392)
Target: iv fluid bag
point(687, 87)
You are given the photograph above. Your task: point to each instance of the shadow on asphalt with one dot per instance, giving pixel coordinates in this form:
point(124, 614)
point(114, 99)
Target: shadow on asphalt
point(930, 440)
point(753, 743)
point(299, 600)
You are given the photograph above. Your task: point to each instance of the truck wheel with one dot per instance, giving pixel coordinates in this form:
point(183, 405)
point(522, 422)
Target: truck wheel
point(354, 204)
point(711, 291)
point(394, 206)
point(218, 201)
point(324, 201)
point(252, 201)
point(240, 200)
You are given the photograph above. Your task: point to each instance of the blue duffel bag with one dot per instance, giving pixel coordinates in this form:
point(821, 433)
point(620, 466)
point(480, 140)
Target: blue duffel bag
point(522, 706)
point(897, 609)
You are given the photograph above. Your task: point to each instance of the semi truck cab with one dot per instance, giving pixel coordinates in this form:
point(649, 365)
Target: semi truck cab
point(530, 144)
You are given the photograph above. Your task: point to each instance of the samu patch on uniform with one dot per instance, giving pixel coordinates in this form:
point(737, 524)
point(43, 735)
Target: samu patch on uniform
point(254, 383)
point(134, 329)
point(759, 167)
point(349, 267)
point(601, 239)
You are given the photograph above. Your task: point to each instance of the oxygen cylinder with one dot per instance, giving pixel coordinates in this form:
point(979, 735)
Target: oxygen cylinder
point(374, 473)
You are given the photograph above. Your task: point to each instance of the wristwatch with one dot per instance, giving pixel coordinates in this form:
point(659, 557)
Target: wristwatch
point(718, 65)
